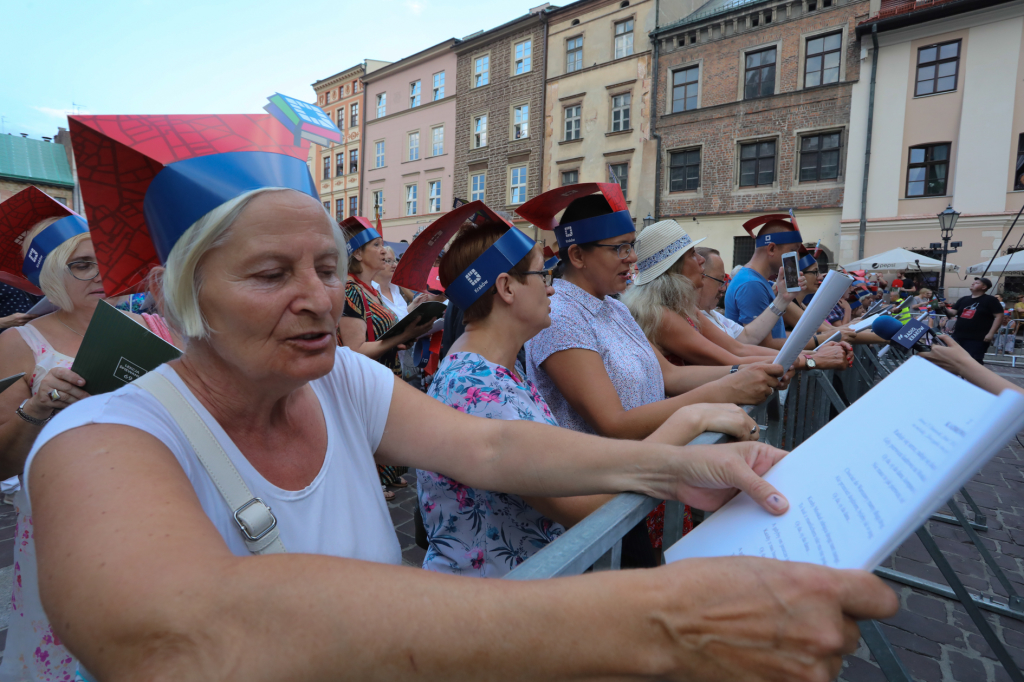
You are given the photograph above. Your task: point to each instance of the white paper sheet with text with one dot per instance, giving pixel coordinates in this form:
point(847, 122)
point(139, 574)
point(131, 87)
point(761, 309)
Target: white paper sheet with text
point(867, 480)
point(825, 298)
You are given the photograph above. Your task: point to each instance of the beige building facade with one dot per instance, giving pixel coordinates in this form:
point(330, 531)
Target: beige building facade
point(947, 130)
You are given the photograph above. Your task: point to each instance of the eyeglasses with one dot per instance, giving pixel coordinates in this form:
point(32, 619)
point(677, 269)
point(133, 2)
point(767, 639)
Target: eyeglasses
point(390, 261)
point(83, 270)
point(623, 251)
point(721, 282)
point(547, 275)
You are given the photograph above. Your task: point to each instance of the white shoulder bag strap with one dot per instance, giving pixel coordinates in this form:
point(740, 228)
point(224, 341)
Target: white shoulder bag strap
point(255, 520)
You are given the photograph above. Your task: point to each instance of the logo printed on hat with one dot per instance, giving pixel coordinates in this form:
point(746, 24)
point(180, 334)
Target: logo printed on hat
point(473, 277)
point(568, 233)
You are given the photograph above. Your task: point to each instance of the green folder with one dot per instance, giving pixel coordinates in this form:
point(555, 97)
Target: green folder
point(418, 315)
point(117, 350)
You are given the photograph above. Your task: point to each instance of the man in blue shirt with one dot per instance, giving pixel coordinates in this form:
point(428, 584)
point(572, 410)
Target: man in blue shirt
point(750, 291)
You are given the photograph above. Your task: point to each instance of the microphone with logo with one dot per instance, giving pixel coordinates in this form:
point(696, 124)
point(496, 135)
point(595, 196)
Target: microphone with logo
point(914, 335)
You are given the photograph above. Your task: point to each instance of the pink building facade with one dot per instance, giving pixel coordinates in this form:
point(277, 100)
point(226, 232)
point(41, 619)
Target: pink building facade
point(409, 141)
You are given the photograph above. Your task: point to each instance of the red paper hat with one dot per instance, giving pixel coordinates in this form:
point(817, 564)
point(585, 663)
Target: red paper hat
point(17, 216)
point(541, 211)
point(414, 269)
point(119, 156)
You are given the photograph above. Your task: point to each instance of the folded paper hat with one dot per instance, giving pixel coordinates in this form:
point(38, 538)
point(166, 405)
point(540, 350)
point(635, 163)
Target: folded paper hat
point(146, 179)
point(658, 247)
point(413, 270)
point(541, 211)
point(807, 259)
point(792, 237)
point(362, 232)
point(18, 215)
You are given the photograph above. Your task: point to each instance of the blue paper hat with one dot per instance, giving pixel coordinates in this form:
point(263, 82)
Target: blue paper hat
point(364, 236)
point(49, 239)
point(780, 238)
point(806, 262)
point(500, 257)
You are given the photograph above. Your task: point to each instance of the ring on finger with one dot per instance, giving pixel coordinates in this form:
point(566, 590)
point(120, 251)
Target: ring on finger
point(753, 429)
point(55, 395)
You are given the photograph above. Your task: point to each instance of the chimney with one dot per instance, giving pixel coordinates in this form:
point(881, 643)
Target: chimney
point(47, 139)
point(24, 134)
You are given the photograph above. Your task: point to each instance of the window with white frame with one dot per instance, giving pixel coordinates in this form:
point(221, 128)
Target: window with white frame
point(619, 174)
point(479, 131)
point(438, 86)
point(481, 71)
point(570, 177)
point(378, 154)
point(341, 118)
point(382, 105)
point(410, 200)
point(437, 141)
point(414, 146)
point(354, 115)
point(434, 196)
point(572, 122)
point(623, 38)
point(574, 54)
point(414, 94)
point(684, 89)
point(521, 63)
point(477, 183)
point(620, 112)
point(378, 202)
point(517, 184)
point(520, 121)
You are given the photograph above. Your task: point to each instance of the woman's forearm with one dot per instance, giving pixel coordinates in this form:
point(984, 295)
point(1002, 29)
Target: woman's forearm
point(16, 439)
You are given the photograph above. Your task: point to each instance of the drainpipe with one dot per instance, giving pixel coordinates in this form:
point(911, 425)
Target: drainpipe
point(867, 144)
point(654, 110)
point(362, 128)
point(543, 111)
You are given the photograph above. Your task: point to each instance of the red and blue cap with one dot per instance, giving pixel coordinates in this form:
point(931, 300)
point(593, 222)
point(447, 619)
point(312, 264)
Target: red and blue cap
point(365, 234)
point(541, 211)
point(147, 179)
point(791, 237)
point(18, 215)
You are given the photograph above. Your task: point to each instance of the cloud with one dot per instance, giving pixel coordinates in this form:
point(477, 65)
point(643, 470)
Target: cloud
point(415, 6)
point(59, 113)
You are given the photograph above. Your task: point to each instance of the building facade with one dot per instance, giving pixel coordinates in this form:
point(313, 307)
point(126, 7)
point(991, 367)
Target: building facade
point(499, 153)
point(337, 168)
point(409, 140)
point(597, 98)
point(947, 130)
point(44, 164)
point(753, 110)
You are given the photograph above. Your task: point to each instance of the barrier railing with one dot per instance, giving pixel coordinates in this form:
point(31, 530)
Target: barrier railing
point(786, 420)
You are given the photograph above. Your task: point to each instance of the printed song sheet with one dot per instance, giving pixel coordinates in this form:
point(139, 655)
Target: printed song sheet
point(828, 294)
point(867, 480)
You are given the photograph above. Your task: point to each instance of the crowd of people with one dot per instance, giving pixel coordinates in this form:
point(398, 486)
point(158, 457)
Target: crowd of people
point(569, 384)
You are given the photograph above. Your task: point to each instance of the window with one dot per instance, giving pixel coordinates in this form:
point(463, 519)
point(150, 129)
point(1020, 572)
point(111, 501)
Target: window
point(624, 38)
point(757, 164)
point(684, 170)
point(327, 170)
point(480, 131)
point(353, 161)
point(572, 122)
point(521, 63)
point(759, 80)
point(619, 173)
point(341, 118)
point(378, 154)
point(520, 122)
point(339, 208)
point(327, 207)
point(410, 200)
point(1018, 176)
point(339, 164)
point(937, 67)
point(926, 172)
point(620, 112)
point(476, 187)
point(354, 116)
point(382, 105)
point(570, 177)
point(378, 201)
point(819, 157)
point(517, 185)
point(438, 86)
point(434, 196)
point(742, 250)
point(437, 141)
point(684, 89)
point(414, 146)
point(414, 94)
point(822, 65)
point(353, 206)
point(482, 71)
point(574, 54)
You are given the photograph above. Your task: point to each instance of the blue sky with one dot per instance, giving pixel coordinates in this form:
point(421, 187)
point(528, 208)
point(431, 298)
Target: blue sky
point(189, 57)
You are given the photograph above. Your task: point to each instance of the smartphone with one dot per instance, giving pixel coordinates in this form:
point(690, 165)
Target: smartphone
point(790, 271)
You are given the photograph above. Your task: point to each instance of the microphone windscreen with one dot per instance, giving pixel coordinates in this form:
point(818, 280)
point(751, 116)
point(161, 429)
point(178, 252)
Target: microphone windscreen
point(886, 326)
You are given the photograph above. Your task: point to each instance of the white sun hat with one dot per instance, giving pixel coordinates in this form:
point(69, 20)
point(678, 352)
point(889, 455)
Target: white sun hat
point(658, 247)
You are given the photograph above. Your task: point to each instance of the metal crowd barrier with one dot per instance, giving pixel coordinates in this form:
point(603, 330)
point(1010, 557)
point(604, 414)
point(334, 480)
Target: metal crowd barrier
point(786, 420)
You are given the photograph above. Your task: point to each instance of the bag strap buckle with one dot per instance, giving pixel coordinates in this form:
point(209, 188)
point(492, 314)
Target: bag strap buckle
point(255, 519)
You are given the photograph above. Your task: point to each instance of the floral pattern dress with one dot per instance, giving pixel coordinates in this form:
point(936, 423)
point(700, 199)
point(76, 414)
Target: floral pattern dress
point(476, 532)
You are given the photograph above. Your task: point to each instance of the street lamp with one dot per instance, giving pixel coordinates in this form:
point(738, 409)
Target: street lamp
point(648, 221)
point(947, 221)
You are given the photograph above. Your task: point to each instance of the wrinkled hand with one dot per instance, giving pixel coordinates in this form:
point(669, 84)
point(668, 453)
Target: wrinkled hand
point(751, 384)
point(692, 420)
point(16, 320)
point(762, 620)
point(68, 385)
point(708, 476)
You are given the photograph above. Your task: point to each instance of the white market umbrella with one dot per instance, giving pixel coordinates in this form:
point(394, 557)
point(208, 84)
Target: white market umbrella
point(900, 259)
point(1010, 264)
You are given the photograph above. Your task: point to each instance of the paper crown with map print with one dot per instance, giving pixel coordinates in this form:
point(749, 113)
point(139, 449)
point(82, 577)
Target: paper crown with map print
point(541, 211)
point(306, 121)
point(18, 215)
point(146, 179)
point(414, 269)
point(780, 238)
